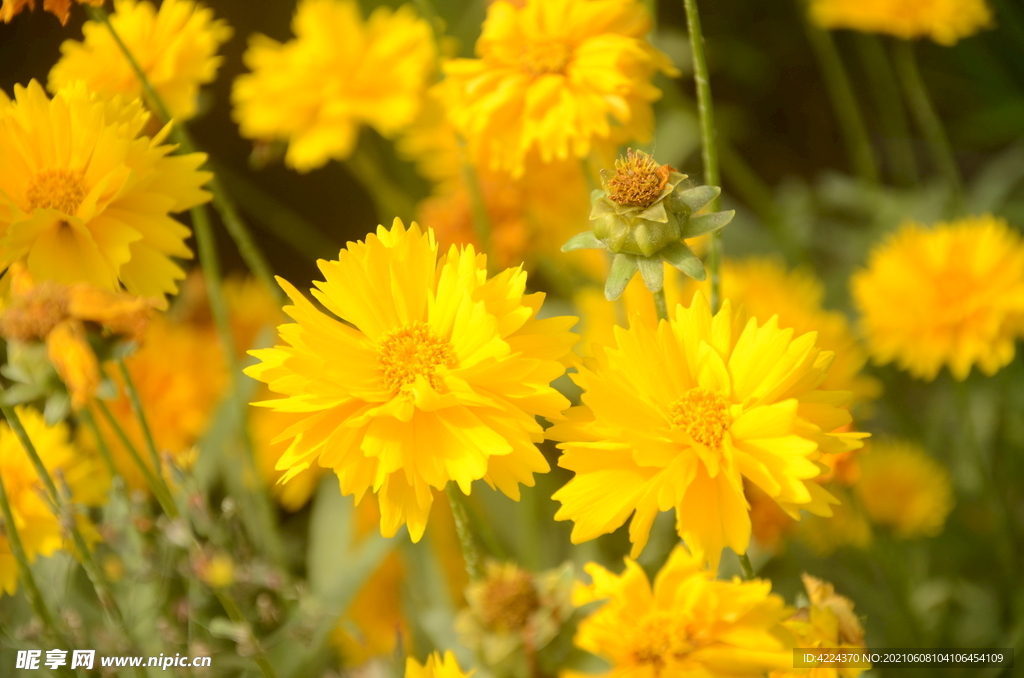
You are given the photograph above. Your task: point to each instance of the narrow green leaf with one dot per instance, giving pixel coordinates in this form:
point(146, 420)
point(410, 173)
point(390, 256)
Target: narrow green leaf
point(683, 258)
point(583, 241)
point(706, 223)
point(652, 270)
point(696, 198)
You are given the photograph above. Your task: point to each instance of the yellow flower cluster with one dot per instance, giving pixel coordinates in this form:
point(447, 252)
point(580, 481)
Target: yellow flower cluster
point(677, 415)
point(337, 74)
point(176, 47)
point(40, 530)
point(952, 294)
point(944, 21)
point(85, 196)
point(436, 375)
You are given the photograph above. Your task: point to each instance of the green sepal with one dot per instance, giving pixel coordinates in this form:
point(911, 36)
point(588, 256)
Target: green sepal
point(583, 241)
point(683, 258)
point(706, 223)
point(624, 267)
point(693, 198)
point(652, 270)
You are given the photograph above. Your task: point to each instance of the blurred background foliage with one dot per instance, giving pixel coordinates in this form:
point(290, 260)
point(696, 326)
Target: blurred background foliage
point(787, 173)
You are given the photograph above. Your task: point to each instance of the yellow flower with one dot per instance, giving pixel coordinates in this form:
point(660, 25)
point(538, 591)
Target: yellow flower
point(439, 376)
point(675, 416)
point(944, 21)
point(178, 400)
point(949, 295)
point(339, 73)
point(85, 197)
point(558, 77)
point(764, 287)
point(176, 47)
point(264, 426)
point(57, 314)
point(435, 667)
point(59, 8)
point(828, 622)
point(687, 624)
point(40, 531)
point(904, 488)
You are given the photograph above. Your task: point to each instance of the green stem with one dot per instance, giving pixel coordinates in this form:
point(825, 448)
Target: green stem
point(844, 103)
point(28, 581)
point(462, 528)
point(748, 569)
point(892, 115)
point(390, 200)
point(709, 150)
point(229, 214)
point(236, 616)
point(65, 515)
point(140, 415)
point(660, 306)
point(157, 487)
point(85, 416)
point(924, 113)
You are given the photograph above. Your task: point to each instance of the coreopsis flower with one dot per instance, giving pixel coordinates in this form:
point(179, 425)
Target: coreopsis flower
point(338, 74)
point(59, 8)
point(437, 374)
point(436, 666)
point(61, 316)
point(677, 415)
point(944, 21)
point(686, 624)
point(40, 530)
point(176, 47)
point(903, 488)
point(556, 77)
point(86, 197)
point(828, 622)
point(952, 294)
point(643, 216)
point(511, 609)
point(180, 375)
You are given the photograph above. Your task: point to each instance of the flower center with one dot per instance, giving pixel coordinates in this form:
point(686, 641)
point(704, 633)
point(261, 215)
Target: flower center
point(638, 180)
point(508, 602)
point(411, 352)
point(704, 415)
point(546, 56)
point(659, 639)
point(58, 189)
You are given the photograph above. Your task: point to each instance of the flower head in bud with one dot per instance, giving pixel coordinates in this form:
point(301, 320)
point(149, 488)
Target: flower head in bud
point(643, 215)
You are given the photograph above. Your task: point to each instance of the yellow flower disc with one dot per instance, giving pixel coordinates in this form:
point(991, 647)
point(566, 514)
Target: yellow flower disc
point(176, 47)
point(676, 416)
point(337, 74)
point(904, 488)
point(556, 76)
point(86, 197)
point(686, 624)
point(40, 531)
point(944, 21)
point(952, 294)
point(439, 375)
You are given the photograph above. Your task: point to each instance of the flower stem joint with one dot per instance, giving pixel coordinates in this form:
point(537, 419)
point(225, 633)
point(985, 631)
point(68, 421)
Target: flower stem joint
point(642, 215)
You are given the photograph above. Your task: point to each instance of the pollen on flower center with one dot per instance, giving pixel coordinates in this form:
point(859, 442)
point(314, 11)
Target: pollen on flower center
point(414, 351)
point(704, 415)
point(638, 180)
point(658, 639)
point(508, 602)
point(58, 189)
point(546, 56)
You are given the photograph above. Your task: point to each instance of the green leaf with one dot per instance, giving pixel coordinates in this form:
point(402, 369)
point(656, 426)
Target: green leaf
point(706, 223)
point(583, 241)
point(696, 198)
point(652, 270)
point(683, 258)
point(624, 266)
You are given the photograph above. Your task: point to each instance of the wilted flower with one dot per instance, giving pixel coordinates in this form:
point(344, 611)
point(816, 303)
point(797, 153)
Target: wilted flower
point(59, 8)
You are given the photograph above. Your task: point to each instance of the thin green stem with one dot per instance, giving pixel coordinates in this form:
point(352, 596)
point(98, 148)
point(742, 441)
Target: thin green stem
point(709, 149)
point(892, 115)
point(462, 527)
point(927, 118)
point(844, 103)
point(68, 520)
point(236, 616)
point(157, 487)
point(28, 581)
point(85, 416)
point(140, 415)
point(390, 200)
point(233, 221)
point(660, 306)
point(748, 569)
